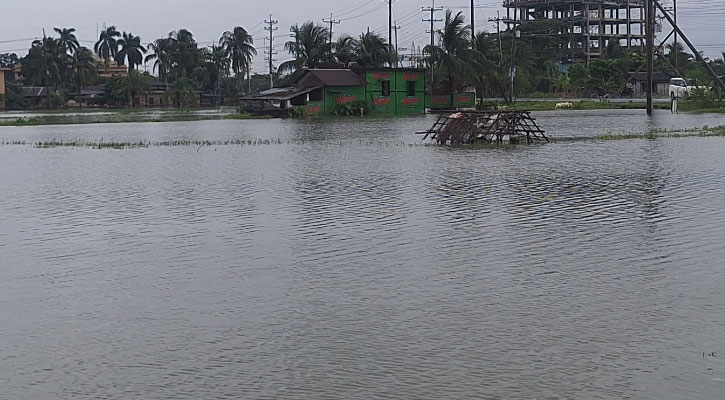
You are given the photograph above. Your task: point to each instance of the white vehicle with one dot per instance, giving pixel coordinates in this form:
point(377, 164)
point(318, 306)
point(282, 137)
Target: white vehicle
point(680, 89)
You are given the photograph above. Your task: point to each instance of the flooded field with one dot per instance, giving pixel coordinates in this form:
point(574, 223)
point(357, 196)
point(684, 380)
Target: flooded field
point(336, 259)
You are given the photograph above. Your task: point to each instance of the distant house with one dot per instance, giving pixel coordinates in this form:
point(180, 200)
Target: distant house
point(110, 70)
point(660, 85)
point(90, 96)
point(155, 96)
point(18, 72)
point(37, 96)
point(3, 89)
point(325, 91)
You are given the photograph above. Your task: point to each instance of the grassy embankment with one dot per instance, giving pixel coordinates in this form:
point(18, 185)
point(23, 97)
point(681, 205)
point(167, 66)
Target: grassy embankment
point(119, 117)
point(579, 105)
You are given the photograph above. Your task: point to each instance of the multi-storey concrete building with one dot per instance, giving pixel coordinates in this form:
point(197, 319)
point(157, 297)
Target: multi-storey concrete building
point(588, 26)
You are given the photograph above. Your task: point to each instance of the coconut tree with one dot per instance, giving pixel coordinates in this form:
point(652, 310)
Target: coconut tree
point(46, 63)
point(372, 50)
point(239, 47)
point(310, 46)
point(181, 93)
point(135, 83)
point(677, 55)
point(107, 45)
point(84, 67)
point(131, 51)
point(345, 49)
point(161, 56)
point(488, 70)
point(67, 39)
point(219, 60)
point(452, 56)
point(185, 54)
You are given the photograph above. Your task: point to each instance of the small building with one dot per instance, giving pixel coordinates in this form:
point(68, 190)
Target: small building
point(18, 72)
point(3, 89)
point(90, 96)
point(37, 96)
point(660, 85)
point(387, 91)
point(156, 96)
point(111, 69)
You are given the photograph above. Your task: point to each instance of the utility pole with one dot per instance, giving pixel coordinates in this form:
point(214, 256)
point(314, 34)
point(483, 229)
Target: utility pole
point(396, 27)
point(47, 71)
point(390, 25)
point(271, 28)
point(332, 22)
point(432, 10)
point(650, 23)
point(497, 20)
point(473, 23)
point(719, 82)
point(676, 47)
point(513, 51)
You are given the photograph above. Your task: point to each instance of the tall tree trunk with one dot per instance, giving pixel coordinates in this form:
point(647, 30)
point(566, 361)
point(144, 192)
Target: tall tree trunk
point(130, 93)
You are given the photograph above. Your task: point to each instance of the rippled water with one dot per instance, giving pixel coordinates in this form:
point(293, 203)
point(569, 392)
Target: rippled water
point(352, 264)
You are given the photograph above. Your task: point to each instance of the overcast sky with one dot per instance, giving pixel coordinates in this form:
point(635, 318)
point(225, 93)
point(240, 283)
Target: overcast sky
point(207, 19)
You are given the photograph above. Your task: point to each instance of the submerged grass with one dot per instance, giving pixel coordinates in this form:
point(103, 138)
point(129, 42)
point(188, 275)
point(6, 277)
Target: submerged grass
point(121, 117)
point(705, 131)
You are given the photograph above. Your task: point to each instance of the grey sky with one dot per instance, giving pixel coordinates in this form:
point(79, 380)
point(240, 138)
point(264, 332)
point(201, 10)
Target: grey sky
point(207, 19)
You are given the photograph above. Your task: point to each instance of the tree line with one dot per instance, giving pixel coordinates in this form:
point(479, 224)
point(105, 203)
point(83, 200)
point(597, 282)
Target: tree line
point(458, 59)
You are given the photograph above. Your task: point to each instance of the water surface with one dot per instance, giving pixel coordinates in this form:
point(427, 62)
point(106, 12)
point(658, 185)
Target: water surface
point(347, 262)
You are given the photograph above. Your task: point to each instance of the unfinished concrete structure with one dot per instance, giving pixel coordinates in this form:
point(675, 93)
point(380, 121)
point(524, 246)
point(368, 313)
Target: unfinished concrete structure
point(587, 25)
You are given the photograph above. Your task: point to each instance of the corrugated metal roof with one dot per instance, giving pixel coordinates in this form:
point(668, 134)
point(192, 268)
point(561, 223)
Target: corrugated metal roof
point(36, 91)
point(282, 93)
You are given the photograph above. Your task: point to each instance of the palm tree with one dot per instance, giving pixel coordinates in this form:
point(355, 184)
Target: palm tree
point(373, 51)
point(677, 55)
point(185, 54)
point(135, 83)
point(67, 39)
point(84, 67)
point(131, 50)
point(487, 62)
point(239, 47)
point(107, 45)
point(310, 47)
point(220, 62)
point(162, 57)
point(182, 91)
point(452, 56)
point(345, 49)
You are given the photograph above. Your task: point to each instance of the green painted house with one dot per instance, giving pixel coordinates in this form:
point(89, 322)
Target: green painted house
point(386, 91)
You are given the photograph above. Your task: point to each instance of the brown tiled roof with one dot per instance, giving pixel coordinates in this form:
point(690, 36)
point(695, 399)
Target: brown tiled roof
point(336, 77)
point(657, 77)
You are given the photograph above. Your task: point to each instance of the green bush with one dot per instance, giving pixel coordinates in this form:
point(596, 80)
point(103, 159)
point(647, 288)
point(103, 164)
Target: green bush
point(359, 107)
point(297, 112)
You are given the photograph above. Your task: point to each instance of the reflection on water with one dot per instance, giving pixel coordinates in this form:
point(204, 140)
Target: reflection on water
point(346, 266)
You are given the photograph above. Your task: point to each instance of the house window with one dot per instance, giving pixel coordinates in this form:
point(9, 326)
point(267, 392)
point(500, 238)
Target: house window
point(316, 95)
point(151, 101)
point(411, 88)
point(386, 88)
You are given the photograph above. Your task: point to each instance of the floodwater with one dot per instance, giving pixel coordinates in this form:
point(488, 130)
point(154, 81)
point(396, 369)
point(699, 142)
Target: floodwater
point(345, 262)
